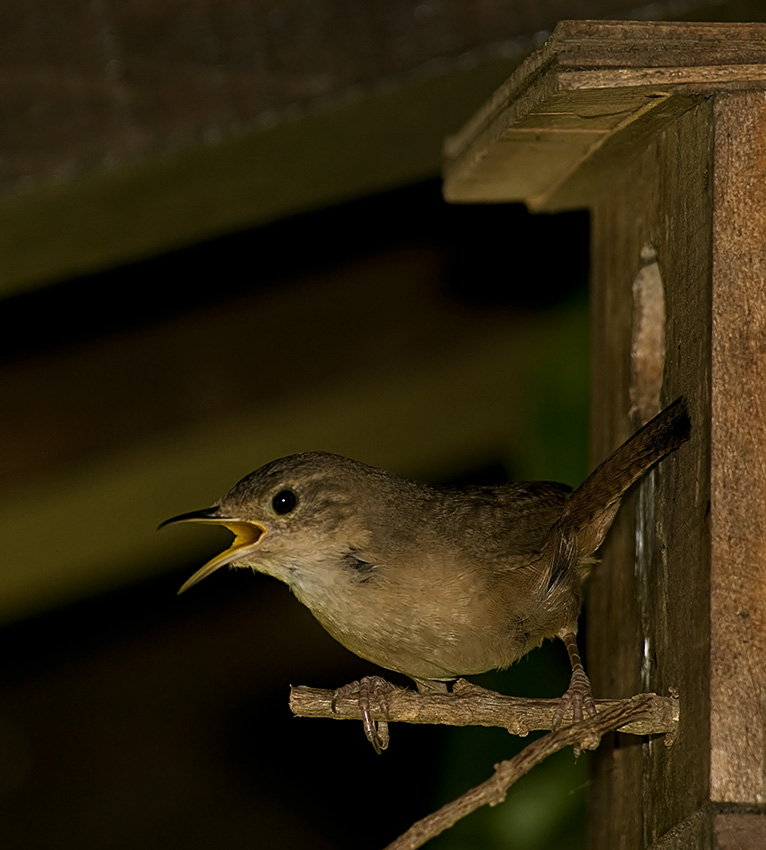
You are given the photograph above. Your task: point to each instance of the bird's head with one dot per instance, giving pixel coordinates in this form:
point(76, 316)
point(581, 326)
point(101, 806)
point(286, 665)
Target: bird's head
point(290, 512)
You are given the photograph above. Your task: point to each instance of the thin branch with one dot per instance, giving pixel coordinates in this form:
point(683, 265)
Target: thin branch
point(492, 791)
point(470, 705)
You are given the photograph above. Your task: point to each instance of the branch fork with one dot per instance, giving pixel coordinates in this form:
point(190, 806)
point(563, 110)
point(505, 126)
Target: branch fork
point(471, 705)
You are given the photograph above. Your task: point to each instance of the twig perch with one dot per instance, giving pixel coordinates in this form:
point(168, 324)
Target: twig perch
point(492, 791)
point(470, 705)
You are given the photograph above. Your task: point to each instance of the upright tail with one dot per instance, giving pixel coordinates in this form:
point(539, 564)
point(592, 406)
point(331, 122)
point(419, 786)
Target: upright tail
point(591, 508)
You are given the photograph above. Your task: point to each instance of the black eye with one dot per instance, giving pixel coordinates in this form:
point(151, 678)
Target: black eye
point(284, 502)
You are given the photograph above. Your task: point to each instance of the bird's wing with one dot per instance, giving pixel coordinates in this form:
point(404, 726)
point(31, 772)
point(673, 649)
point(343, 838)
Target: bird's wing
point(511, 524)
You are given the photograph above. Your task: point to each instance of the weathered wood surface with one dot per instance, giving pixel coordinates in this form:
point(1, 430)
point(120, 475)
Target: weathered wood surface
point(568, 119)
point(648, 609)
point(675, 180)
point(105, 83)
point(690, 615)
point(738, 452)
point(134, 128)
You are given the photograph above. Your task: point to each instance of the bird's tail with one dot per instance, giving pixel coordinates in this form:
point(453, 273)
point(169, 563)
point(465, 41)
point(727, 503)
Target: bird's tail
point(590, 510)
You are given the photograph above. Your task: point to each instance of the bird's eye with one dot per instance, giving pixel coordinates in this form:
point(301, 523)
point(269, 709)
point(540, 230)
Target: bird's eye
point(284, 502)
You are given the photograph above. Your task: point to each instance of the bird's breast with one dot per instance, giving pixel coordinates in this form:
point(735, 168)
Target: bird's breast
point(431, 619)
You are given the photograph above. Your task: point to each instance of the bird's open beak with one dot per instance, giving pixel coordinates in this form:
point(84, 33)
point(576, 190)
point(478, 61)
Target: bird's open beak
point(246, 535)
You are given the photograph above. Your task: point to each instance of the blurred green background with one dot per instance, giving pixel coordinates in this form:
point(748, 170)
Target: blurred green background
point(445, 343)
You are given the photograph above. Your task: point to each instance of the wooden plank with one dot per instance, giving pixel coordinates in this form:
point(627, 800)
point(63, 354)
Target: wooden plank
point(694, 833)
point(110, 83)
point(738, 453)
point(165, 199)
point(647, 613)
point(157, 125)
point(543, 152)
point(740, 831)
point(593, 94)
point(618, 45)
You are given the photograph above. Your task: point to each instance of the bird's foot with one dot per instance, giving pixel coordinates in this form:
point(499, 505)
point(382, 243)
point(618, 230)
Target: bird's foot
point(370, 692)
point(577, 703)
point(577, 699)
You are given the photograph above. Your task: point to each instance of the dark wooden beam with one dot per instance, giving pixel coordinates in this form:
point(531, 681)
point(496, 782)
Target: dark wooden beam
point(133, 129)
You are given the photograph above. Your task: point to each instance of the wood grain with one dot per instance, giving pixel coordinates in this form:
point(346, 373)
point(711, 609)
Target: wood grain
point(648, 609)
point(738, 453)
point(591, 97)
point(678, 170)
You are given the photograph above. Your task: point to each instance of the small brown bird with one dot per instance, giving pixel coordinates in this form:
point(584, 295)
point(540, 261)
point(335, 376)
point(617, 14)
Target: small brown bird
point(430, 581)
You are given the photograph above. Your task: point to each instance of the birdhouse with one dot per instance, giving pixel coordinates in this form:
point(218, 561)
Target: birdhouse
point(659, 129)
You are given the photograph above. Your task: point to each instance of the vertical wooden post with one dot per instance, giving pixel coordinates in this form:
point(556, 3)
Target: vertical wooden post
point(738, 448)
point(677, 189)
point(691, 615)
point(654, 603)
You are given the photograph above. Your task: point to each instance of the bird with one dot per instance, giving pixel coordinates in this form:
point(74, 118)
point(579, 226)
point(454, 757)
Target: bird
point(434, 582)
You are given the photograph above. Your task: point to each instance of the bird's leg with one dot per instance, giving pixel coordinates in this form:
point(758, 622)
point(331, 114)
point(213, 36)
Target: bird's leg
point(369, 690)
point(578, 695)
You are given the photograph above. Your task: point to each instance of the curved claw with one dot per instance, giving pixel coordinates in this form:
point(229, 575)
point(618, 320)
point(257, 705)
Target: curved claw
point(369, 690)
point(578, 697)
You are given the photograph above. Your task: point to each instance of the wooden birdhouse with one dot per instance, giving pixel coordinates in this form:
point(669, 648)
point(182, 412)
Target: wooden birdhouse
point(660, 130)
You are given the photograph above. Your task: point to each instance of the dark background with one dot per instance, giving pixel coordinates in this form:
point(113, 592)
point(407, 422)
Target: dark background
point(139, 718)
